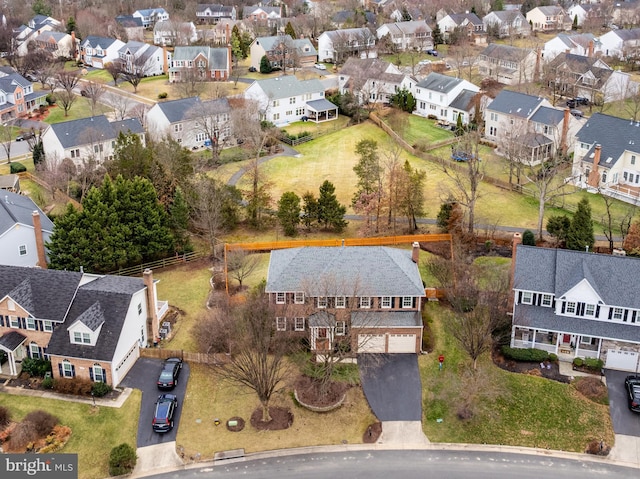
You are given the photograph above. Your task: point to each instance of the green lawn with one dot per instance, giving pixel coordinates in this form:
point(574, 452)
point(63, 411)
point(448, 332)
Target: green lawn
point(93, 432)
point(80, 109)
point(421, 129)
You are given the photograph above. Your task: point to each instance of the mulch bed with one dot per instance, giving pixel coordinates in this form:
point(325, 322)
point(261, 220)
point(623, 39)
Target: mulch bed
point(308, 391)
point(372, 434)
point(239, 427)
point(25, 381)
point(281, 418)
point(550, 370)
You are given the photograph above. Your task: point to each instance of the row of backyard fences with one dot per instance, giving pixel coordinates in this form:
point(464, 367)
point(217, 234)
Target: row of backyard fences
point(188, 356)
point(159, 264)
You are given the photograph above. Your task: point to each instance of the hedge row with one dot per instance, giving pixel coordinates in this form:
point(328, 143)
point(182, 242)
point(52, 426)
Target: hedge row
point(531, 354)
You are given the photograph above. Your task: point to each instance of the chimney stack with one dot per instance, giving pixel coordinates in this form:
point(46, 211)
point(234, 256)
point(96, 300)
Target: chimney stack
point(153, 327)
point(165, 60)
point(594, 176)
point(415, 252)
point(517, 239)
point(565, 131)
point(590, 49)
point(37, 231)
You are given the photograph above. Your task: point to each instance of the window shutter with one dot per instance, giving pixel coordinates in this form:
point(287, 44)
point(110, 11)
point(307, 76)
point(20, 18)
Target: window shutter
point(1, 320)
point(563, 306)
point(104, 375)
point(538, 299)
point(73, 371)
point(597, 311)
point(626, 314)
point(91, 373)
point(519, 297)
point(610, 312)
point(60, 369)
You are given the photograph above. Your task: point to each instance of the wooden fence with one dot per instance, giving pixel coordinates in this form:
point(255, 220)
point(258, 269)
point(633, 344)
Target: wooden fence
point(159, 264)
point(188, 356)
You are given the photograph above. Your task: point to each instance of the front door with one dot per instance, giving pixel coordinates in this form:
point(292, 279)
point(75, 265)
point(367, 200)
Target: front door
point(566, 338)
point(322, 341)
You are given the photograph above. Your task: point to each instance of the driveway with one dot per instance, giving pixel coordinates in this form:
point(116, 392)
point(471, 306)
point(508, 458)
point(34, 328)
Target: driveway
point(392, 386)
point(624, 421)
point(143, 376)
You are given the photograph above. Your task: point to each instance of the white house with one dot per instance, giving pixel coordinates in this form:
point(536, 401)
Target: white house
point(585, 44)
point(407, 35)
point(621, 43)
point(549, 18)
point(171, 32)
point(506, 23)
point(24, 231)
point(191, 122)
point(286, 99)
point(86, 138)
point(469, 23)
point(150, 60)
point(445, 98)
point(149, 16)
point(577, 305)
point(212, 13)
point(336, 46)
point(26, 34)
point(98, 51)
point(372, 80)
point(59, 44)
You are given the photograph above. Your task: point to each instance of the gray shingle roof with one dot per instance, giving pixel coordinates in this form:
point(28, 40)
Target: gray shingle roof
point(550, 10)
point(88, 130)
point(459, 18)
point(348, 271)
point(94, 41)
point(303, 46)
point(410, 27)
point(630, 34)
point(12, 340)
point(506, 52)
point(364, 67)
point(216, 57)
point(548, 116)
point(215, 8)
point(556, 271)
point(438, 82)
point(464, 100)
point(92, 317)
point(287, 86)
point(23, 295)
point(51, 291)
point(386, 319)
point(18, 209)
point(321, 105)
point(615, 135)
point(514, 103)
point(176, 110)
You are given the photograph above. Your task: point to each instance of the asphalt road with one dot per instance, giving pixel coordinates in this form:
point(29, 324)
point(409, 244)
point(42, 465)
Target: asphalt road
point(143, 376)
point(409, 465)
point(624, 421)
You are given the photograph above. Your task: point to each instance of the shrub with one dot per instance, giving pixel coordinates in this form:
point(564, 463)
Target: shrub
point(553, 357)
point(594, 364)
point(78, 387)
point(421, 145)
point(528, 238)
point(531, 354)
point(17, 168)
point(100, 389)
point(36, 367)
point(5, 416)
point(23, 434)
point(43, 422)
point(51, 99)
point(122, 460)
point(162, 95)
point(47, 383)
point(578, 362)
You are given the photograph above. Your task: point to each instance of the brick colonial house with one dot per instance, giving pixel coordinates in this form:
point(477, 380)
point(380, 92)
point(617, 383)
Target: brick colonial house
point(373, 294)
point(89, 326)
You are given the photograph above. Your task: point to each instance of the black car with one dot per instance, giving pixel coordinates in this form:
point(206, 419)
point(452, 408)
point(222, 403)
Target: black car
point(166, 406)
point(632, 385)
point(169, 375)
point(573, 103)
point(582, 100)
point(432, 52)
point(253, 69)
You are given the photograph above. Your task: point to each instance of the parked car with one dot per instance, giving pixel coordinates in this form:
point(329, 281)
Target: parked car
point(424, 62)
point(632, 385)
point(320, 66)
point(84, 93)
point(572, 103)
point(576, 113)
point(169, 375)
point(166, 406)
point(582, 100)
point(432, 52)
point(25, 136)
point(253, 69)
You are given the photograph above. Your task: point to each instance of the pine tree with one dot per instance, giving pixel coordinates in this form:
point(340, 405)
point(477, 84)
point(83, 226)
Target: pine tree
point(289, 212)
point(179, 221)
point(289, 30)
point(580, 234)
point(265, 65)
point(71, 25)
point(437, 35)
point(330, 211)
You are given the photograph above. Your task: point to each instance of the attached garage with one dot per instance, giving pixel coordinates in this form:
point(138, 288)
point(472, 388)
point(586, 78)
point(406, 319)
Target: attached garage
point(371, 343)
point(621, 360)
point(402, 343)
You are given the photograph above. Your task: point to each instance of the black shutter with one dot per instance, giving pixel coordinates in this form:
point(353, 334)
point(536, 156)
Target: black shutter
point(563, 306)
point(553, 303)
point(539, 302)
point(1, 320)
point(91, 373)
point(60, 369)
point(597, 311)
point(633, 316)
point(582, 306)
point(626, 314)
point(610, 312)
point(519, 297)
point(73, 371)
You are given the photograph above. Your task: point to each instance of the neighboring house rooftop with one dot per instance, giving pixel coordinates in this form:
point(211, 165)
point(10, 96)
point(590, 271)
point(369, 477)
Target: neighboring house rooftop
point(459, 18)
point(506, 52)
point(176, 110)
point(626, 35)
point(409, 27)
point(548, 116)
point(18, 209)
point(95, 41)
point(550, 10)
point(288, 86)
point(438, 82)
point(86, 130)
point(514, 103)
point(129, 21)
point(464, 100)
point(217, 58)
point(349, 271)
point(614, 135)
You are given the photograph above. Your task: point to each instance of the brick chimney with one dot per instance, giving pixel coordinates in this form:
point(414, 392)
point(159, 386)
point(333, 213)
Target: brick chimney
point(536, 72)
point(415, 252)
point(594, 176)
point(228, 35)
point(517, 239)
point(74, 51)
point(37, 231)
point(152, 314)
point(590, 49)
point(565, 131)
point(227, 75)
point(165, 60)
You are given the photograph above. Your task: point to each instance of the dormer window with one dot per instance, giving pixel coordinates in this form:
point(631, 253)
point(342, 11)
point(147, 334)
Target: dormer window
point(81, 338)
point(527, 297)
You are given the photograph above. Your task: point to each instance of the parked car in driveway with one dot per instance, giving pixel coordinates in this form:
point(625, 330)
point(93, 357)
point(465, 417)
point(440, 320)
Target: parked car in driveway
point(432, 52)
point(320, 66)
point(632, 385)
point(168, 378)
point(166, 406)
point(25, 136)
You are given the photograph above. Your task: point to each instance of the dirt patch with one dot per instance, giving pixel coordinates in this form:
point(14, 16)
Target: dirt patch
point(372, 434)
point(309, 391)
point(281, 418)
point(592, 388)
point(546, 369)
point(239, 424)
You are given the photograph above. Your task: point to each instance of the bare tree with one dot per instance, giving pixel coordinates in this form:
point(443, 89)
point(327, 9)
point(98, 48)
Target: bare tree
point(241, 264)
point(207, 204)
point(190, 81)
point(115, 70)
point(611, 221)
point(135, 70)
point(93, 92)
point(213, 119)
point(66, 81)
point(120, 105)
point(6, 132)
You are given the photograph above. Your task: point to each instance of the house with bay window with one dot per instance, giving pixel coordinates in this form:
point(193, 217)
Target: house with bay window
point(369, 295)
point(89, 326)
point(577, 304)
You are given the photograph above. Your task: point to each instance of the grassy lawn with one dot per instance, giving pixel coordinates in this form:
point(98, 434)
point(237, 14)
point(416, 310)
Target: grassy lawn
point(94, 433)
point(510, 409)
point(79, 109)
point(317, 128)
point(208, 398)
point(423, 129)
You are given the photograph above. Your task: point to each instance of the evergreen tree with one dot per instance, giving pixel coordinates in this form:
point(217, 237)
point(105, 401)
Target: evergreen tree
point(558, 227)
point(265, 65)
point(40, 7)
point(310, 209)
point(528, 238)
point(436, 34)
point(179, 221)
point(497, 5)
point(289, 212)
point(131, 158)
point(575, 23)
point(459, 126)
point(580, 234)
point(71, 25)
point(368, 169)
point(404, 100)
point(289, 30)
point(330, 211)
point(121, 224)
point(406, 16)
point(38, 153)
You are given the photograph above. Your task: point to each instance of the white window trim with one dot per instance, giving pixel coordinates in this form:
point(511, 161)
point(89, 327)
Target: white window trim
point(586, 310)
point(615, 313)
point(571, 305)
point(341, 302)
point(341, 328)
point(298, 298)
point(34, 354)
point(297, 326)
point(365, 302)
point(31, 324)
point(102, 373)
point(407, 301)
point(47, 326)
point(22, 250)
point(527, 297)
point(385, 302)
point(322, 302)
point(547, 300)
point(281, 323)
point(586, 340)
point(14, 322)
point(281, 298)
point(66, 363)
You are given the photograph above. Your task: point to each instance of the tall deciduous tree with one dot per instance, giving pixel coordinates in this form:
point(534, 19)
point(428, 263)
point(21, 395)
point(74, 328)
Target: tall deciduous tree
point(241, 264)
point(289, 212)
point(121, 224)
point(580, 235)
point(411, 194)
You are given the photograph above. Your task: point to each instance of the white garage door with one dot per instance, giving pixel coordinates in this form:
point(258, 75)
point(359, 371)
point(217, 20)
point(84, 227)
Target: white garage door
point(125, 364)
point(622, 360)
point(402, 343)
point(371, 343)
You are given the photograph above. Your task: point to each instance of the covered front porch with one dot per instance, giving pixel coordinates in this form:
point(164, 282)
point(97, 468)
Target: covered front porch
point(566, 346)
point(321, 110)
point(12, 345)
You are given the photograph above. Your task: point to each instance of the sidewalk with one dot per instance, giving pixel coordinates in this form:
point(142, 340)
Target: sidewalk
point(116, 402)
point(566, 369)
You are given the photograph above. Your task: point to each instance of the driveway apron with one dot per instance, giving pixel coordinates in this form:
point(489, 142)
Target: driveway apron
point(392, 386)
point(624, 421)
